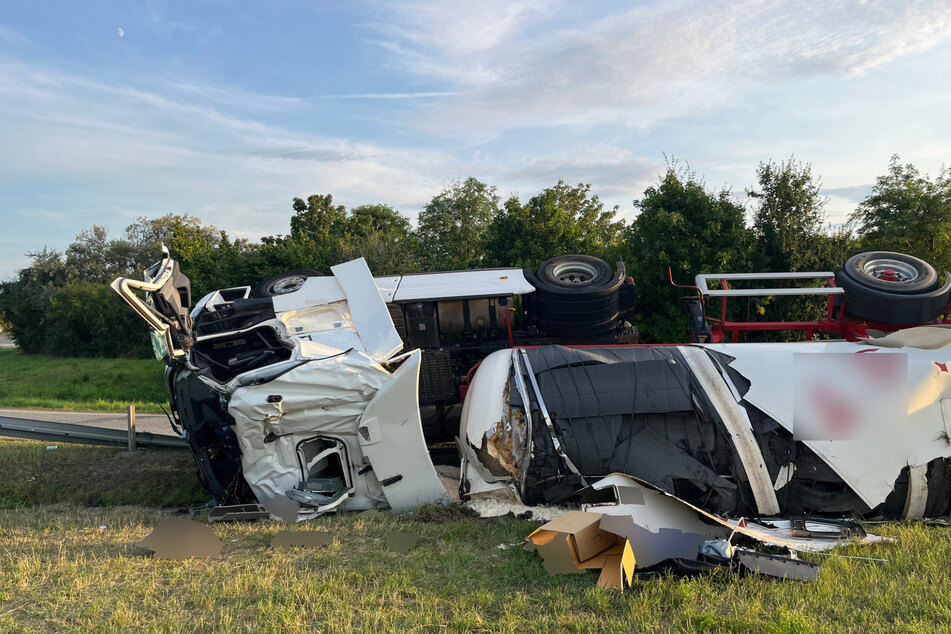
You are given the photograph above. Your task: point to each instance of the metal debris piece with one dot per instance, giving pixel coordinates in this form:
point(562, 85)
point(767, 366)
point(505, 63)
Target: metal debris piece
point(238, 513)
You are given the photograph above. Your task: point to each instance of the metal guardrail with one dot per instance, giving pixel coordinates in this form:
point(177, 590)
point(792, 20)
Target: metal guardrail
point(82, 434)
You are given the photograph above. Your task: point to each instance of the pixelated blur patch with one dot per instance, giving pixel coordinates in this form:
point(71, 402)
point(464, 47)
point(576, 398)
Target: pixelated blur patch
point(304, 539)
point(182, 539)
point(843, 396)
point(401, 542)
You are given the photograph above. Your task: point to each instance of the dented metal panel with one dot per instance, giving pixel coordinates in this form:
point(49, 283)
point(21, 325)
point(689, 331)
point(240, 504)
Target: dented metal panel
point(367, 309)
point(872, 461)
point(391, 437)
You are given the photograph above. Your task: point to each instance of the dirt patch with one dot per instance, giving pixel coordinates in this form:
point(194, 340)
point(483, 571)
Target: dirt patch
point(439, 514)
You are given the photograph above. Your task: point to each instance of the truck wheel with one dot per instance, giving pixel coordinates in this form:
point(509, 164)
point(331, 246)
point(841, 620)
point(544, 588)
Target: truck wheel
point(893, 288)
point(575, 296)
point(574, 271)
point(890, 272)
point(283, 283)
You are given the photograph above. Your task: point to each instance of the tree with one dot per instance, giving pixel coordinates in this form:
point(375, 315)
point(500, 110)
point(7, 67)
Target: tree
point(452, 227)
point(789, 235)
point(683, 226)
point(383, 237)
point(367, 219)
point(317, 219)
point(909, 213)
point(561, 219)
point(789, 216)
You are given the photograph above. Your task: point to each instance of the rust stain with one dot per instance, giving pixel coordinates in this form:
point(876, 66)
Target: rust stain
point(500, 442)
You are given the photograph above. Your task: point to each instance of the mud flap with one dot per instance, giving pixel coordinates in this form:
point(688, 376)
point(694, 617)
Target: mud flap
point(391, 437)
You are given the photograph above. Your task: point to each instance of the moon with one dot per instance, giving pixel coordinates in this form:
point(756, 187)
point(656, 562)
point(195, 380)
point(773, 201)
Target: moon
point(121, 32)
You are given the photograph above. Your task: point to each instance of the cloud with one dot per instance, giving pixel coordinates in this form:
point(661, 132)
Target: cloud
point(85, 151)
point(454, 41)
point(854, 193)
point(121, 31)
point(652, 63)
point(616, 175)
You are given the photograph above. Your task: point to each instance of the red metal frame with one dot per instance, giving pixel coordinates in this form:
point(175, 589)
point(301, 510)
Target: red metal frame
point(849, 328)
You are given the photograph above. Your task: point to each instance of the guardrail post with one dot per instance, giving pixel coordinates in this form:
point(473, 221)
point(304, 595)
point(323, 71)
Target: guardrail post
point(131, 420)
point(130, 425)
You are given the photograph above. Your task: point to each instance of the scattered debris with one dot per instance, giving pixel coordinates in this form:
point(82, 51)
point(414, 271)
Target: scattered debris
point(181, 538)
point(662, 526)
point(306, 539)
point(51, 447)
point(494, 507)
point(401, 542)
point(238, 513)
point(775, 565)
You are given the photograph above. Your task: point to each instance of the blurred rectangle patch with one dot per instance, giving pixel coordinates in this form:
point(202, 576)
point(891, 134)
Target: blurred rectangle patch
point(844, 396)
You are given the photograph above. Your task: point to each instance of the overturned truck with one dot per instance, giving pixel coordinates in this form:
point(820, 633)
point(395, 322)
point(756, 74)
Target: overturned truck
point(308, 394)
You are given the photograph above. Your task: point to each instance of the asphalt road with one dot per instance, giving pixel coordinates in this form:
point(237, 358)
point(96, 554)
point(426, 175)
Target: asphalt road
point(152, 423)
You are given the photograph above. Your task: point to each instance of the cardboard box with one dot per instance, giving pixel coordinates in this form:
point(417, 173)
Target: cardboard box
point(574, 542)
point(585, 537)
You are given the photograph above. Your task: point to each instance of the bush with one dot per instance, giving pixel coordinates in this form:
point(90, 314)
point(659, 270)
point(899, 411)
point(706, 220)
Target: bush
point(78, 319)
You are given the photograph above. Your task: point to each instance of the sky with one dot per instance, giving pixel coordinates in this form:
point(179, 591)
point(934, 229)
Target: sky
point(228, 110)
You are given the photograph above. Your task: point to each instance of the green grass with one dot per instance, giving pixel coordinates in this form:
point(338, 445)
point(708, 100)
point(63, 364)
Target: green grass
point(32, 475)
point(60, 571)
point(87, 384)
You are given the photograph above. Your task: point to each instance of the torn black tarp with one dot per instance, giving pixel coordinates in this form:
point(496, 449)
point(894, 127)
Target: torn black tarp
point(629, 410)
point(542, 423)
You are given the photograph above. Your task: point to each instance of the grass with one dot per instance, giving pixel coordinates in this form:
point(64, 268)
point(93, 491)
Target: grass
point(35, 381)
point(80, 475)
point(59, 570)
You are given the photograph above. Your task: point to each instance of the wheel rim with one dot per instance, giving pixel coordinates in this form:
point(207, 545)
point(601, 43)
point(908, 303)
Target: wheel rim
point(574, 272)
point(888, 270)
point(287, 285)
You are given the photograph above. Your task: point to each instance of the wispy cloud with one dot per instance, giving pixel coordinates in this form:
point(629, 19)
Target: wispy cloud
point(392, 95)
point(657, 61)
point(140, 152)
point(614, 174)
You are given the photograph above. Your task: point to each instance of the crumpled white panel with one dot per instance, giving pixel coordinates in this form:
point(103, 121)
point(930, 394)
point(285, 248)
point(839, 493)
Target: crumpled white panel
point(869, 464)
point(321, 397)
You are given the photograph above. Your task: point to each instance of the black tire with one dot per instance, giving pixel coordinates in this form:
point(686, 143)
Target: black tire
point(578, 272)
point(894, 308)
point(283, 283)
point(575, 296)
point(889, 272)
